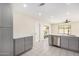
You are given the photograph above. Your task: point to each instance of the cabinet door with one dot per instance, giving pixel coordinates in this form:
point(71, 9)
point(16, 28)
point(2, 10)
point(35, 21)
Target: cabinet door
point(64, 42)
point(5, 15)
point(28, 43)
point(19, 46)
point(73, 43)
point(6, 42)
point(50, 40)
point(0, 14)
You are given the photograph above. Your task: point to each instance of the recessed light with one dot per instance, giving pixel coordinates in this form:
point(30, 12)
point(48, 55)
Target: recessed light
point(39, 14)
point(51, 16)
point(68, 13)
point(25, 5)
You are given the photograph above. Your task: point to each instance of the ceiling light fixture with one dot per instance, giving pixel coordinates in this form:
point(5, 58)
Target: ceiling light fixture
point(41, 4)
point(67, 13)
point(39, 14)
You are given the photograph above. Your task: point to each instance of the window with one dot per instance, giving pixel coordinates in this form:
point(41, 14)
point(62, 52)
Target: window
point(64, 28)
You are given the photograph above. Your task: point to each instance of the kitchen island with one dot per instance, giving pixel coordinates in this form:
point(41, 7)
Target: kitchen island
point(69, 42)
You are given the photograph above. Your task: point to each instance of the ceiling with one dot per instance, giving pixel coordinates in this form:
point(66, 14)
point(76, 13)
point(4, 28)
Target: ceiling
point(51, 12)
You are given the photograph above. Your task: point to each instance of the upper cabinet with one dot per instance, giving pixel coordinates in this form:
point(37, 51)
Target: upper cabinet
point(5, 15)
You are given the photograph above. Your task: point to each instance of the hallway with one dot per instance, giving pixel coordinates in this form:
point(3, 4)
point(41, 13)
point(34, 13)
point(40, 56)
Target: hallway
point(43, 49)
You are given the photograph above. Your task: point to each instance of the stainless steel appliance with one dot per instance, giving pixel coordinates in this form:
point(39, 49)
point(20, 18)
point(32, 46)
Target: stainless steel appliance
point(56, 40)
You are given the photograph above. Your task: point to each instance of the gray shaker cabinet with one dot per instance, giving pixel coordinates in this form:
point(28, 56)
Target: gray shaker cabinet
point(23, 44)
point(19, 46)
point(64, 42)
point(28, 42)
point(8, 45)
point(6, 42)
point(6, 30)
point(5, 15)
point(67, 42)
point(73, 43)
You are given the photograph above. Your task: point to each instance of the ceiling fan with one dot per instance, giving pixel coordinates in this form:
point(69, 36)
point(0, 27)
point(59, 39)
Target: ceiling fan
point(41, 4)
point(67, 21)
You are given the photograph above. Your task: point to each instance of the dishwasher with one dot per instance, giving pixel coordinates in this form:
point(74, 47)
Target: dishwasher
point(56, 40)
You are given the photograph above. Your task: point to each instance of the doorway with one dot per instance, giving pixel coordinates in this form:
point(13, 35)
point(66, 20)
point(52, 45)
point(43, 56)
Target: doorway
point(41, 31)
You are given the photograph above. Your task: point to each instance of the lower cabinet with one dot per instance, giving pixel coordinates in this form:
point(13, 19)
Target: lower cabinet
point(19, 46)
point(73, 43)
point(22, 45)
point(64, 42)
point(28, 43)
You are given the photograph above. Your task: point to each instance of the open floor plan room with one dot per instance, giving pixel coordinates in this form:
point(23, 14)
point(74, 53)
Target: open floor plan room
point(39, 29)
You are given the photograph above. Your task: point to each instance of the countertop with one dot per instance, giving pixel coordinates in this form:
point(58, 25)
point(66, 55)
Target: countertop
point(63, 35)
point(20, 36)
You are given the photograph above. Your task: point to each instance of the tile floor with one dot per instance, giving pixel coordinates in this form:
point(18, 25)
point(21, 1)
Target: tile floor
point(43, 49)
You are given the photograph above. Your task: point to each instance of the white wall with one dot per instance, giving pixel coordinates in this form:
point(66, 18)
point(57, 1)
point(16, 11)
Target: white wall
point(75, 28)
point(23, 25)
point(54, 28)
